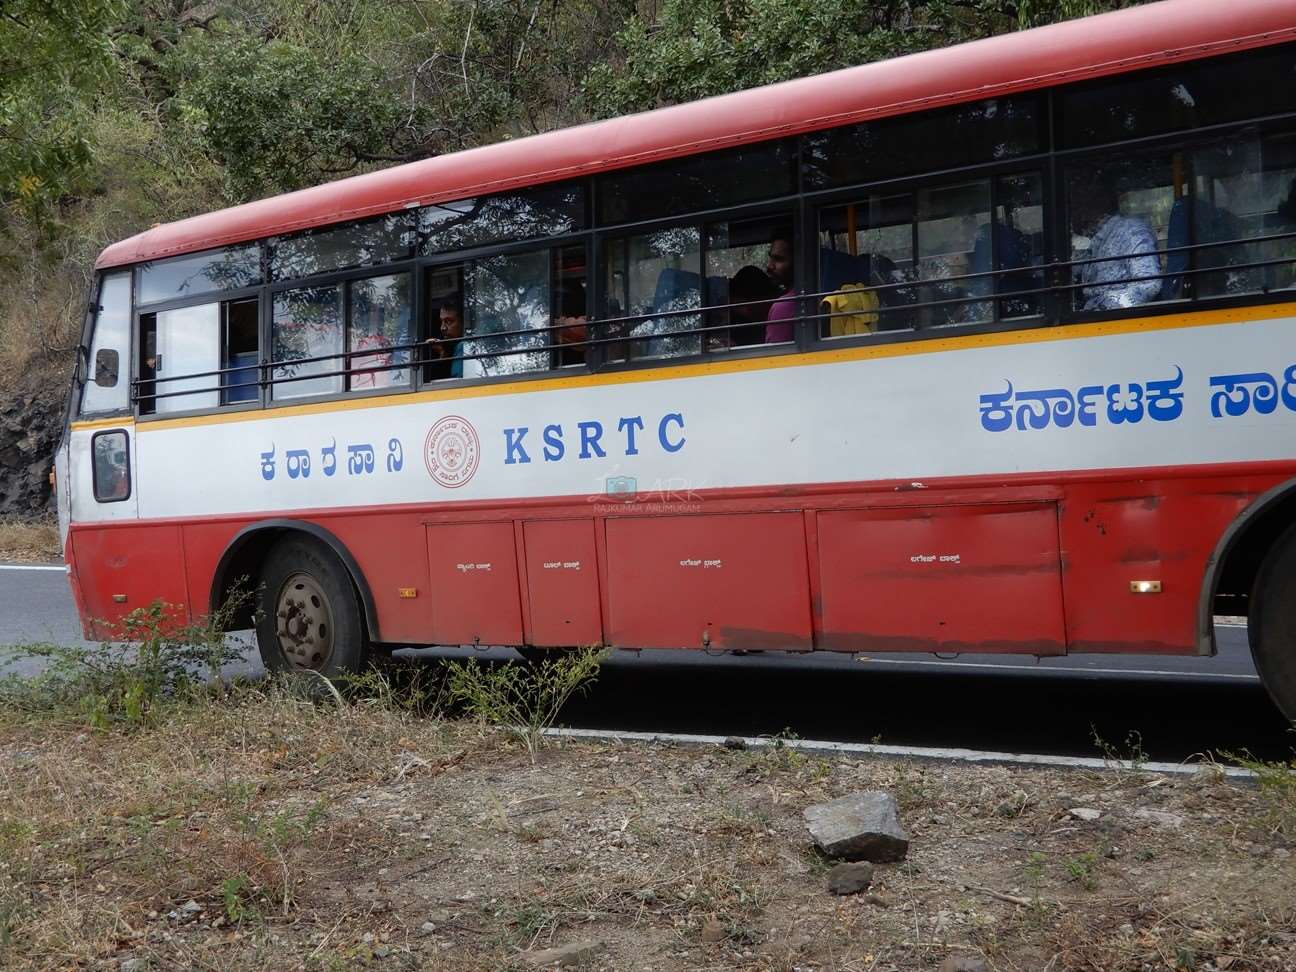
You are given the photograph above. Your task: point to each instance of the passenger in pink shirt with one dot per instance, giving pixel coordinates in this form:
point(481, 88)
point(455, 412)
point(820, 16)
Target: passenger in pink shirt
point(780, 325)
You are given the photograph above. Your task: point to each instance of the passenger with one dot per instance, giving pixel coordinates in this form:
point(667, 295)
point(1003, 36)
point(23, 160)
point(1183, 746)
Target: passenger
point(783, 313)
point(449, 348)
point(753, 290)
point(1122, 268)
point(573, 324)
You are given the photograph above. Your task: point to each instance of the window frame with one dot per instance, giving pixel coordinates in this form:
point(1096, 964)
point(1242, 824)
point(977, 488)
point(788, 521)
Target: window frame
point(94, 469)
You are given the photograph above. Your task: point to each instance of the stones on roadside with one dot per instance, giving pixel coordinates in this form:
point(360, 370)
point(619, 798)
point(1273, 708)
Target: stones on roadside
point(1162, 818)
point(963, 963)
point(561, 956)
point(877, 901)
point(850, 878)
point(734, 742)
point(861, 826)
point(133, 965)
point(1087, 814)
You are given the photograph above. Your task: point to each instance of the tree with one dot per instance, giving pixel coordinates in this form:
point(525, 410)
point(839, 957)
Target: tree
point(53, 55)
point(697, 48)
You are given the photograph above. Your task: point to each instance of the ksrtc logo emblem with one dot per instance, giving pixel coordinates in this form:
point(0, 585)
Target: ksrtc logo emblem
point(452, 451)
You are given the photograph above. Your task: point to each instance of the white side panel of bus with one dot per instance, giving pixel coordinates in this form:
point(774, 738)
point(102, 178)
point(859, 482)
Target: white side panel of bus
point(85, 508)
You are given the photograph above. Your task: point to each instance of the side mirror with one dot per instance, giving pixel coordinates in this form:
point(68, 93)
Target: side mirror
point(106, 364)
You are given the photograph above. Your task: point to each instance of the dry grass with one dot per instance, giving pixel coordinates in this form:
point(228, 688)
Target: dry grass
point(309, 836)
point(29, 541)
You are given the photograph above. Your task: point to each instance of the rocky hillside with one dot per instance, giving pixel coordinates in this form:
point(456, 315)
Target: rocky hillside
point(31, 419)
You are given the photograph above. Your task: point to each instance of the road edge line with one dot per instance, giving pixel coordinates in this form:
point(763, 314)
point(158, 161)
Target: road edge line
point(934, 754)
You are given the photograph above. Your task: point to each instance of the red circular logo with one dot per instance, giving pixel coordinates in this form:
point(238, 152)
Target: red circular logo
point(452, 451)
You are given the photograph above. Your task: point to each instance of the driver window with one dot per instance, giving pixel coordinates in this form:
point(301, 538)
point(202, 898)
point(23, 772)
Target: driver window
point(107, 385)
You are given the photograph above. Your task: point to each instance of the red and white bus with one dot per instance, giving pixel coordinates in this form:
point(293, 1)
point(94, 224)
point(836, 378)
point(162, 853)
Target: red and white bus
point(990, 348)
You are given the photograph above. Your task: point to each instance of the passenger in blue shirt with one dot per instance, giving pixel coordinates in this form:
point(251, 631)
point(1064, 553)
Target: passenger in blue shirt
point(450, 346)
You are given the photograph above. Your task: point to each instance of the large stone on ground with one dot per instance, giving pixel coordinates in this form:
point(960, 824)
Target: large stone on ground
point(850, 878)
point(859, 827)
point(577, 953)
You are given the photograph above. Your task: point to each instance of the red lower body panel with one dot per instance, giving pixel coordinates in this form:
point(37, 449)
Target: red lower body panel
point(1033, 564)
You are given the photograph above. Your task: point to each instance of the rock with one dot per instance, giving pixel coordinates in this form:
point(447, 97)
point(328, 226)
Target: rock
point(734, 742)
point(561, 956)
point(133, 965)
point(190, 907)
point(1085, 813)
point(963, 963)
point(877, 901)
point(428, 927)
point(382, 951)
point(713, 930)
point(859, 827)
point(850, 878)
point(1162, 818)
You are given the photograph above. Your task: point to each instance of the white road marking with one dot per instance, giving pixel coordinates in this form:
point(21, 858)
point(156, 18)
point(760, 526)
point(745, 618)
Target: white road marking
point(1049, 668)
point(913, 752)
point(60, 568)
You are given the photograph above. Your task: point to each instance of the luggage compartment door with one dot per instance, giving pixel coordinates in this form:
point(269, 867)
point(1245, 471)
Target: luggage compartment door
point(473, 583)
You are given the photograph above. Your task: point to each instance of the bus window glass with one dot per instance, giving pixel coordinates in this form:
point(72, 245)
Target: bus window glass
point(1277, 213)
point(866, 263)
point(386, 239)
point(698, 183)
point(506, 314)
point(240, 384)
point(1017, 244)
point(650, 278)
point(111, 333)
point(1121, 218)
point(110, 461)
point(981, 131)
point(1253, 84)
point(571, 305)
point(750, 267)
point(952, 221)
point(380, 323)
point(546, 211)
point(443, 337)
point(186, 343)
point(307, 324)
point(188, 276)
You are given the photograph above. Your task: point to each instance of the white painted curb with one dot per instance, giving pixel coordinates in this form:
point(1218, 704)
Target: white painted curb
point(974, 756)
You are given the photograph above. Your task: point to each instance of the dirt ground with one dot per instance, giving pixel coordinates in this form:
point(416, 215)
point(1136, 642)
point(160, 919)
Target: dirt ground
point(24, 541)
point(273, 834)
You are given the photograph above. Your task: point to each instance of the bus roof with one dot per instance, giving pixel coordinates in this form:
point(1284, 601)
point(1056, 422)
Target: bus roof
point(1138, 37)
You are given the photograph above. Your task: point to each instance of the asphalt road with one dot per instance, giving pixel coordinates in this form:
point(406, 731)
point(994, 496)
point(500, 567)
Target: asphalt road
point(1179, 706)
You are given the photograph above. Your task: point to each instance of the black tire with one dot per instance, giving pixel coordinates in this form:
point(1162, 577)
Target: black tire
point(1271, 623)
point(309, 618)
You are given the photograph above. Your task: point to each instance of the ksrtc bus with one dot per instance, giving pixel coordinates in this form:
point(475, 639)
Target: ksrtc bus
point(985, 349)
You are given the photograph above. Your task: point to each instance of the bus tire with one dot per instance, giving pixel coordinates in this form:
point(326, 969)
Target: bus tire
point(309, 617)
point(1271, 623)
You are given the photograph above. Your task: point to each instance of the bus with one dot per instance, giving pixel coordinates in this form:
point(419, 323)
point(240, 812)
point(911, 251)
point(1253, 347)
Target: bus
point(984, 349)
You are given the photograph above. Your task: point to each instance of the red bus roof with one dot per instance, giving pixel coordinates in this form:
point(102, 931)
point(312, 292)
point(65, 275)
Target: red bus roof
point(1139, 37)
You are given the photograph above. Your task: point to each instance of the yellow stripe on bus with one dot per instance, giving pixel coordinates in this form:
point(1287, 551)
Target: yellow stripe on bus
point(724, 366)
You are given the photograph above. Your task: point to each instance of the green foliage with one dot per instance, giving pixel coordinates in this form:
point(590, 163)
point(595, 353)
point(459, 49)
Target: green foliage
point(696, 48)
point(1277, 782)
point(126, 682)
point(53, 54)
point(525, 699)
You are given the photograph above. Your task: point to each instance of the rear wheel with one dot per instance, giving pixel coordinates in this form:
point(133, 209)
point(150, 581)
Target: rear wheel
point(1271, 623)
point(310, 616)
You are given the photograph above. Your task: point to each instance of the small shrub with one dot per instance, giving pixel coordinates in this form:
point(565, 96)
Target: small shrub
point(525, 699)
point(1277, 782)
point(125, 682)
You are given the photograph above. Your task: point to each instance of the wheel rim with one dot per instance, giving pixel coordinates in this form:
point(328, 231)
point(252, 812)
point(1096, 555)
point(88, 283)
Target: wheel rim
point(304, 623)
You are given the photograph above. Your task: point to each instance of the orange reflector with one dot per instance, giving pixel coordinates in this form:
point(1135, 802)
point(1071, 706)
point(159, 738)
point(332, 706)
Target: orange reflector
point(408, 592)
point(1145, 587)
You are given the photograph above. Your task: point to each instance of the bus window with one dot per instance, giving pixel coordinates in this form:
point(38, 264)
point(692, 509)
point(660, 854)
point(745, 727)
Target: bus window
point(443, 338)
point(1276, 207)
point(749, 266)
point(651, 278)
point(189, 276)
point(571, 306)
point(386, 239)
point(241, 346)
point(506, 314)
point(1120, 221)
point(176, 344)
point(951, 222)
point(307, 342)
point(866, 261)
point(1017, 244)
point(544, 211)
point(380, 323)
point(107, 388)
